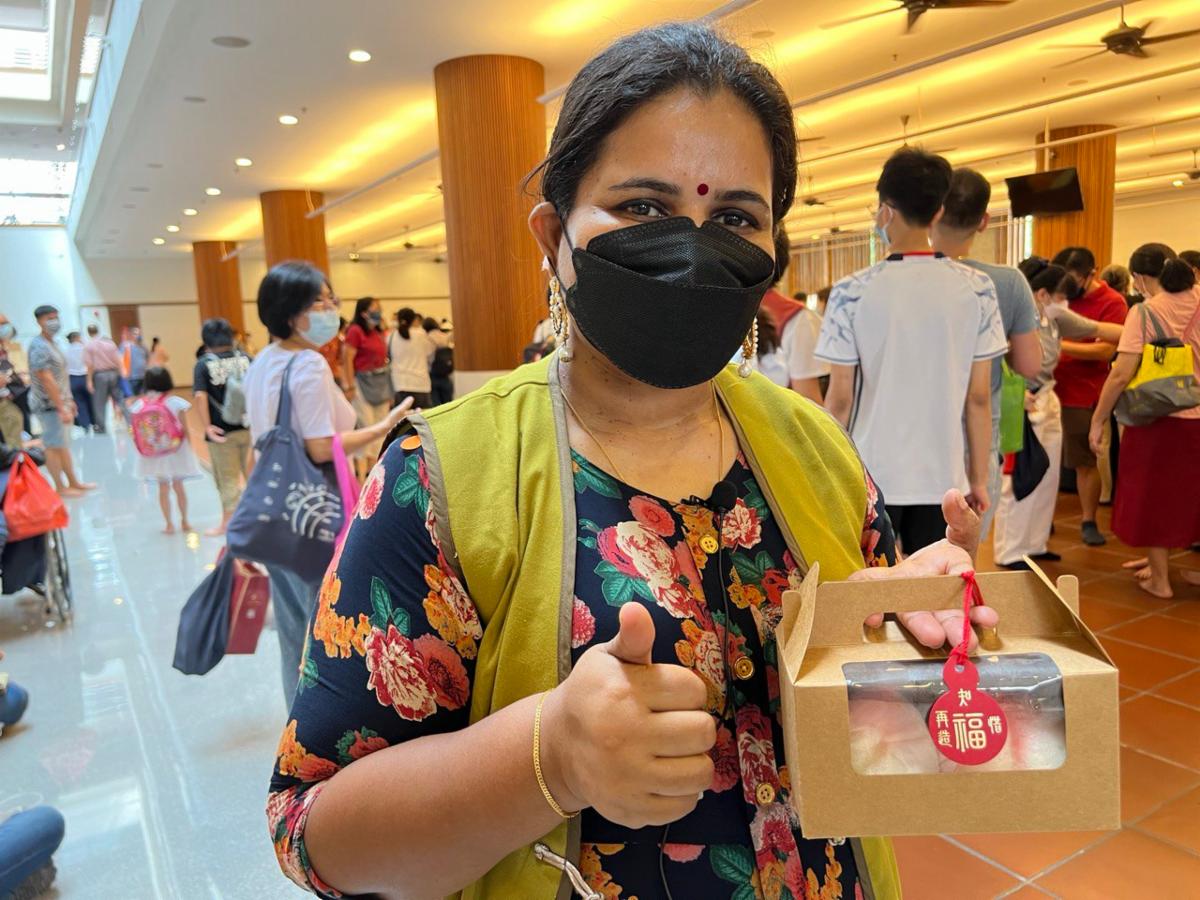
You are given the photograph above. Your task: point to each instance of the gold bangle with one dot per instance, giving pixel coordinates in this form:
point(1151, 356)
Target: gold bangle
point(537, 760)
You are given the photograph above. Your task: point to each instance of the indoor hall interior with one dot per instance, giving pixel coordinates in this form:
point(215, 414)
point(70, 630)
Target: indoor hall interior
point(160, 159)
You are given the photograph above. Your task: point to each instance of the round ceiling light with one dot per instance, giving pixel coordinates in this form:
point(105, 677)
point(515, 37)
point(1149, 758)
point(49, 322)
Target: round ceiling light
point(190, 212)
point(288, 120)
point(1178, 182)
point(60, 147)
point(360, 56)
point(172, 228)
point(213, 192)
point(230, 42)
point(158, 242)
point(243, 162)
point(814, 237)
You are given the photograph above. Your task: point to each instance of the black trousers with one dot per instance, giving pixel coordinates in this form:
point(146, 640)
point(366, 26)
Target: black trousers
point(443, 390)
point(917, 526)
point(83, 401)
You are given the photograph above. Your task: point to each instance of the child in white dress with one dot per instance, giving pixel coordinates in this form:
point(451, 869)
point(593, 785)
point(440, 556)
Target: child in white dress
point(165, 454)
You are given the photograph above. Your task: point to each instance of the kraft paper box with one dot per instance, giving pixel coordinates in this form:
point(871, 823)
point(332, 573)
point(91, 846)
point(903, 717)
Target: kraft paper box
point(861, 755)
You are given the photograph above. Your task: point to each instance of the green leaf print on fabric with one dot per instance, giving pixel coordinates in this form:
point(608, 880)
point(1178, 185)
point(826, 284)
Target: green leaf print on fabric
point(755, 500)
point(352, 738)
point(308, 666)
point(751, 571)
point(588, 477)
point(733, 862)
point(308, 673)
point(408, 490)
point(619, 588)
point(381, 606)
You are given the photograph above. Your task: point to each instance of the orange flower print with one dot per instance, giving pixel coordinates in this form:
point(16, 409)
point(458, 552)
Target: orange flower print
point(593, 872)
point(450, 611)
point(357, 743)
point(295, 761)
point(339, 634)
point(831, 887)
point(701, 652)
point(698, 525)
point(444, 670)
point(743, 595)
point(398, 675)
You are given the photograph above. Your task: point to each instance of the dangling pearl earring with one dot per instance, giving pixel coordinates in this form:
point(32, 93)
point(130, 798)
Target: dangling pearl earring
point(558, 319)
point(749, 351)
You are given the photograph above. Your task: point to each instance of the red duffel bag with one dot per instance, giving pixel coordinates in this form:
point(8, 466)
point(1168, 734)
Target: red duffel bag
point(31, 506)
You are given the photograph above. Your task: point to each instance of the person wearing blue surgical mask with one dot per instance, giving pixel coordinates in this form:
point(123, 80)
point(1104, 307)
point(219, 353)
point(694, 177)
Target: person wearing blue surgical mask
point(297, 305)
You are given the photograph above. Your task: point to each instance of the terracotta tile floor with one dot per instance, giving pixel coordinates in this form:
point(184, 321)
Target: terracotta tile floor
point(1156, 644)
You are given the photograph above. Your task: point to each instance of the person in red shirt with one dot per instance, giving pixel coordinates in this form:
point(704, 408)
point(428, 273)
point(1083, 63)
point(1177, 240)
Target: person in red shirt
point(1081, 374)
point(366, 366)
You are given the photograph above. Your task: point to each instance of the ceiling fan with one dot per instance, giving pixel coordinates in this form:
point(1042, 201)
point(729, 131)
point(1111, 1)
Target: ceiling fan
point(1125, 40)
point(918, 8)
point(811, 198)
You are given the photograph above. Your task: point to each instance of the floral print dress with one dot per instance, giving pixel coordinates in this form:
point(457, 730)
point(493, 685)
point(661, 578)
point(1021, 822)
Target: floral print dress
point(391, 657)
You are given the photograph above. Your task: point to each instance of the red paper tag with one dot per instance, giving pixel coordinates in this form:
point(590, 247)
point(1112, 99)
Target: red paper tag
point(967, 726)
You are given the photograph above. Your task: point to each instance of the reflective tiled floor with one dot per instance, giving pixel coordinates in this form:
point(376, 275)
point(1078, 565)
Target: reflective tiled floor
point(162, 777)
point(1156, 645)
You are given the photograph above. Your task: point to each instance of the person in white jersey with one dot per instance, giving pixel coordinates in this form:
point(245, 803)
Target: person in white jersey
point(910, 342)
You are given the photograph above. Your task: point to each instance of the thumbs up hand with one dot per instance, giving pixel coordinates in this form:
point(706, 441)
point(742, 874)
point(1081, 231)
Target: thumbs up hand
point(627, 736)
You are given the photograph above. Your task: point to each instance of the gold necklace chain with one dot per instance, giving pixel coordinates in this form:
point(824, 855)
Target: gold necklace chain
point(608, 458)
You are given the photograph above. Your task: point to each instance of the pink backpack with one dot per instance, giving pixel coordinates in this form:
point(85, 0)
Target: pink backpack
point(156, 430)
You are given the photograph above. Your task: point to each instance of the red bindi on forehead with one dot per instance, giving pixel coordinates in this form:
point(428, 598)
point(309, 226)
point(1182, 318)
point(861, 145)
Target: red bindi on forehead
point(702, 189)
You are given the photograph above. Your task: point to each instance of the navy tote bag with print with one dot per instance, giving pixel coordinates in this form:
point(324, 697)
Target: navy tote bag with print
point(292, 510)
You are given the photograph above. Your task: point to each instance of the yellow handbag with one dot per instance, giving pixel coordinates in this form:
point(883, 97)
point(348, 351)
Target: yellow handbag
point(1165, 381)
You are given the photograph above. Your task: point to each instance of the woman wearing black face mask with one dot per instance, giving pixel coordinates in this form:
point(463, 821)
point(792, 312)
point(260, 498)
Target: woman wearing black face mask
point(479, 656)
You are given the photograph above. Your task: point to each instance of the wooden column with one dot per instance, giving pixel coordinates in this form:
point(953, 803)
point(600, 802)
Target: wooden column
point(218, 284)
point(492, 132)
point(1096, 161)
point(288, 234)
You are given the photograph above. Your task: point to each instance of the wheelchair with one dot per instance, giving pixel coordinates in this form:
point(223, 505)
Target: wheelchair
point(37, 564)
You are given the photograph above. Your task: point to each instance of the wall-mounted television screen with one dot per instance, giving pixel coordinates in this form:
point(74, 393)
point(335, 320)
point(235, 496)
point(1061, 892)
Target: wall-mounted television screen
point(1056, 191)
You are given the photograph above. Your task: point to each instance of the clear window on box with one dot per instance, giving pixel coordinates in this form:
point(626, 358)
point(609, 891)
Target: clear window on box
point(890, 703)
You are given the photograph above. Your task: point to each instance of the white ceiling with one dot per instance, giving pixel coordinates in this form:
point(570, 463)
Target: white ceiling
point(360, 121)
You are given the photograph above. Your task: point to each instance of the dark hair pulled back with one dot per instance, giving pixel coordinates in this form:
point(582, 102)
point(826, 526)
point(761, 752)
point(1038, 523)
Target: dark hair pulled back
point(1043, 275)
point(1162, 263)
point(642, 66)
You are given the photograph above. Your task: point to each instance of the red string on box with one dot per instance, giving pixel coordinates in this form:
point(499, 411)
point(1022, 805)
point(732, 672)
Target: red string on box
point(972, 596)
